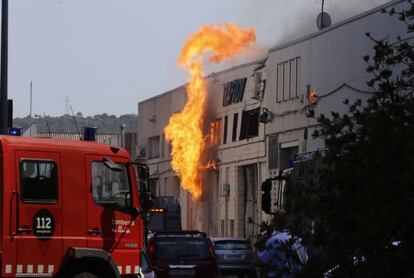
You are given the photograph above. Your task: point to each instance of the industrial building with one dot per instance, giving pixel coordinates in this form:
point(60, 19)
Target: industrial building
point(258, 116)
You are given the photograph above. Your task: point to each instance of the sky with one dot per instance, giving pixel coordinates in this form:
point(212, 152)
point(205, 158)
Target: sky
point(105, 56)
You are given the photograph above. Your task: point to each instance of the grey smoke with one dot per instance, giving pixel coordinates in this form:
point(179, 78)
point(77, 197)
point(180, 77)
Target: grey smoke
point(280, 21)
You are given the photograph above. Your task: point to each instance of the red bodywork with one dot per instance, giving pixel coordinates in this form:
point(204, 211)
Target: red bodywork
point(78, 221)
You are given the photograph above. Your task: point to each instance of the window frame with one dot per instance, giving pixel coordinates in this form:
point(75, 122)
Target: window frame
point(234, 127)
point(245, 127)
point(22, 192)
point(287, 79)
point(125, 208)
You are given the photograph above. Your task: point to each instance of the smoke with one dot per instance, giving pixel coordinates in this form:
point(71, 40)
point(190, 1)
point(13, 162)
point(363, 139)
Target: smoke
point(280, 21)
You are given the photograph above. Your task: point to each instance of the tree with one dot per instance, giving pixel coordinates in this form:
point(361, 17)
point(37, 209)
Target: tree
point(363, 207)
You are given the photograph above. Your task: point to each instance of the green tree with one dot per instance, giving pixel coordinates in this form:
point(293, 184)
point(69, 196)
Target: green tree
point(363, 207)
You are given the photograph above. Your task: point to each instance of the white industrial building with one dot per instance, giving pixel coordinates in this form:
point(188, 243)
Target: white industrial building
point(329, 64)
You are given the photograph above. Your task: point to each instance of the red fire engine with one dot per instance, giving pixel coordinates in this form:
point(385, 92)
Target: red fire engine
point(68, 209)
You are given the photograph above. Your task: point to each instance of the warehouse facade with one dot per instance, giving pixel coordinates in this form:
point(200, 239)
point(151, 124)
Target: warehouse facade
point(258, 119)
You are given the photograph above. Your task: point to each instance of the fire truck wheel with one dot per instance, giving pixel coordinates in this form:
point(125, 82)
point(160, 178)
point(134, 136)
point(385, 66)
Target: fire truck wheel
point(85, 275)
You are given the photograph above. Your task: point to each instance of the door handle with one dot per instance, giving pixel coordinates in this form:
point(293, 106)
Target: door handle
point(94, 231)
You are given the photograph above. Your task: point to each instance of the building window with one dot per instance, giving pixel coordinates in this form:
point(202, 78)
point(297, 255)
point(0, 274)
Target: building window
point(235, 123)
point(259, 85)
point(225, 130)
point(215, 131)
point(232, 228)
point(287, 154)
point(222, 227)
point(250, 124)
point(162, 145)
point(273, 147)
point(154, 147)
point(287, 79)
point(233, 91)
point(39, 181)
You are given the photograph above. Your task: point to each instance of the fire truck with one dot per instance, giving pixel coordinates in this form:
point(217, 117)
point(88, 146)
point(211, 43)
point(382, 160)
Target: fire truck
point(69, 209)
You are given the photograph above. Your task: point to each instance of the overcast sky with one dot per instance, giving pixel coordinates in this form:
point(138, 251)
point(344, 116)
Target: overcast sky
point(104, 56)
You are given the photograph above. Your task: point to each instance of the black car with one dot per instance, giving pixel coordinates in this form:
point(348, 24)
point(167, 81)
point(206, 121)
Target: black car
point(235, 257)
point(182, 254)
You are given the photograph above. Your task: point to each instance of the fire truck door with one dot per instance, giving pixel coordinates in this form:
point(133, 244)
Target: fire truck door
point(110, 201)
point(38, 212)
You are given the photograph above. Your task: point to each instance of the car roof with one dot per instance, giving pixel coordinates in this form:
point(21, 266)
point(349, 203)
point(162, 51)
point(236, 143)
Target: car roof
point(214, 239)
point(180, 233)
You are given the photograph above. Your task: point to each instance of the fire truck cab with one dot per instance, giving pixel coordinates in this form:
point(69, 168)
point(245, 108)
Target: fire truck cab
point(68, 209)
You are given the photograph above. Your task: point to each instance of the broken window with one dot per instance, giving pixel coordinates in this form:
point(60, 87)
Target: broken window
point(233, 91)
point(250, 124)
point(215, 132)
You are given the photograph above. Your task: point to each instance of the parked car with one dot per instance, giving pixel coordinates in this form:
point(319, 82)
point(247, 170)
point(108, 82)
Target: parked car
point(182, 254)
point(146, 270)
point(235, 256)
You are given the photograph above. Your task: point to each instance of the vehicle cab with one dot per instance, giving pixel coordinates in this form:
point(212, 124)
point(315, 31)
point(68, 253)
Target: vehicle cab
point(68, 207)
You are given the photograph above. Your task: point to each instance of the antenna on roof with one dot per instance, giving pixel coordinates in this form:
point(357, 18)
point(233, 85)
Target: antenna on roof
point(76, 123)
point(47, 123)
point(31, 103)
point(323, 20)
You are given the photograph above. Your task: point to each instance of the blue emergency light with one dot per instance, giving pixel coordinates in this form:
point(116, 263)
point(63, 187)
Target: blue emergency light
point(89, 133)
point(15, 131)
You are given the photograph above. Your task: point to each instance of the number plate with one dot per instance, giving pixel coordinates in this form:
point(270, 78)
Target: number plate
point(233, 257)
point(181, 272)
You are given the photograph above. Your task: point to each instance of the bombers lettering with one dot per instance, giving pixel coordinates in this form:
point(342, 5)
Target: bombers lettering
point(122, 222)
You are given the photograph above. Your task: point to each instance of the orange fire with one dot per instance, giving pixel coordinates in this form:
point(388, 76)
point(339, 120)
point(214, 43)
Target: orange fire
point(185, 129)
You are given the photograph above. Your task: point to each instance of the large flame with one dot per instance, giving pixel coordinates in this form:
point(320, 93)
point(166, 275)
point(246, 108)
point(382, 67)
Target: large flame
point(185, 129)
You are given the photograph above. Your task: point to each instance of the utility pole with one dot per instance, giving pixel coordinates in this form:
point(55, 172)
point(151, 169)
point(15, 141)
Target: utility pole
point(4, 54)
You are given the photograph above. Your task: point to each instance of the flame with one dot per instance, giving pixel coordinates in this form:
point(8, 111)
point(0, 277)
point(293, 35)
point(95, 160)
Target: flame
point(185, 129)
point(211, 165)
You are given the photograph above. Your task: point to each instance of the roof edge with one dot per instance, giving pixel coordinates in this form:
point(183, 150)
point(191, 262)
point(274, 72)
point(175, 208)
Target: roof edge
point(337, 25)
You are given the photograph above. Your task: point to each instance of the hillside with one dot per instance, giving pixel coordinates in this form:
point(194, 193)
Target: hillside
point(68, 123)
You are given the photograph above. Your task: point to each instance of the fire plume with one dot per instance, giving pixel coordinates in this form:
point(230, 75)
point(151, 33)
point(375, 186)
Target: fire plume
point(185, 129)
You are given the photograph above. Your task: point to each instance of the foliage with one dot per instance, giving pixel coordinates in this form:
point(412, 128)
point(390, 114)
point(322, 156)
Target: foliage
point(364, 202)
point(68, 123)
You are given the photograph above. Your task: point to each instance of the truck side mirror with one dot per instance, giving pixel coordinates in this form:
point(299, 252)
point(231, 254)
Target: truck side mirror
point(142, 171)
point(111, 165)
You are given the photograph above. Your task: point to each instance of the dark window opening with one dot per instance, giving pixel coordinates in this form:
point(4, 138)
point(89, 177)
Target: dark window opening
point(39, 181)
point(250, 124)
point(225, 130)
point(287, 156)
point(235, 123)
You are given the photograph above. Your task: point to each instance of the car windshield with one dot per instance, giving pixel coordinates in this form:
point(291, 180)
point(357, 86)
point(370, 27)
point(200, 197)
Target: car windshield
point(182, 248)
point(231, 245)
